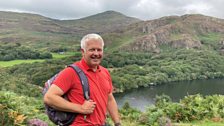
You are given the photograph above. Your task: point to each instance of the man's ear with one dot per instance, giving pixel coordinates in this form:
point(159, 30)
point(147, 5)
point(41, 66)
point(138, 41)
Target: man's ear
point(82, 51)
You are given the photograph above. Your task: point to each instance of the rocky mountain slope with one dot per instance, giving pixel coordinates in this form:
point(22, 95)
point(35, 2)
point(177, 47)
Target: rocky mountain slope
point(186, 31)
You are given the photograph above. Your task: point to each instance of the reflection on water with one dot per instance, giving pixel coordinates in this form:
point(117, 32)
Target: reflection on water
point(143, 97)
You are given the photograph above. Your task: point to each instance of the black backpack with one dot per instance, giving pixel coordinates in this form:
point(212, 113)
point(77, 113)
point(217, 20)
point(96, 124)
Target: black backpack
point(62, 118)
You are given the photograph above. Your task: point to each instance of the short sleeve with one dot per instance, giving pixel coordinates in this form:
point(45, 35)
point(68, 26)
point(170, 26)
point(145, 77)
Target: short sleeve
point(65, 78)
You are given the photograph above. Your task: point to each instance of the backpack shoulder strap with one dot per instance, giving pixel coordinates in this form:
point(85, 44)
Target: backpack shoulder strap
point(83, 80)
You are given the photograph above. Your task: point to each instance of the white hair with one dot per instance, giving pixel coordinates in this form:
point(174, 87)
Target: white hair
point(88, 37)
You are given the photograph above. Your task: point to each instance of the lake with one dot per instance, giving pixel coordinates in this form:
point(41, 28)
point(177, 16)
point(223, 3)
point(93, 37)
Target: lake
point(142, 97)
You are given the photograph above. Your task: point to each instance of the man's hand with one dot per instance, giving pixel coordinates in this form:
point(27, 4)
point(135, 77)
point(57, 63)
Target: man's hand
point(117, 124)
point(88, 107)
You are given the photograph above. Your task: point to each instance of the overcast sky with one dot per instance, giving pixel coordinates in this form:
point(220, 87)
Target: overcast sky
point(142, 9)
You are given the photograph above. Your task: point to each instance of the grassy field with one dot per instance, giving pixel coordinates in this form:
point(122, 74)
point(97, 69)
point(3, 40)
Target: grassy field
point(58, 56)
point(15, 62)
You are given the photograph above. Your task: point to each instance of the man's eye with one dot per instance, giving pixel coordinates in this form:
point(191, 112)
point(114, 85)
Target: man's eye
point(93, 50)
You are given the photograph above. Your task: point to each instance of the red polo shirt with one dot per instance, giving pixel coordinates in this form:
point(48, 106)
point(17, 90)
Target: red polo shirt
point(100, 85)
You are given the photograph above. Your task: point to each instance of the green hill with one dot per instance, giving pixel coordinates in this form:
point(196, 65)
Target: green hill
point(109, 21)
point(38, 32)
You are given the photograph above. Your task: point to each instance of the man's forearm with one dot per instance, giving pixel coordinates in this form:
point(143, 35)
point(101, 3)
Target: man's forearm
point(113, 110)
point(60, 103)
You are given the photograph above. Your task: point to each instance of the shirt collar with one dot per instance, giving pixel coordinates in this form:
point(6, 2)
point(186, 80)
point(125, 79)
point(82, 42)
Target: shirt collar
point(86, 67)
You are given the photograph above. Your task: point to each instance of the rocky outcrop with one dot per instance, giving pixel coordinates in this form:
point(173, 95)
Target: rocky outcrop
point(147, 43)
point(150, 26)
point(177, 32)
point(186, 41)
point(222, 51)
point(203, 24)
point(221, 43)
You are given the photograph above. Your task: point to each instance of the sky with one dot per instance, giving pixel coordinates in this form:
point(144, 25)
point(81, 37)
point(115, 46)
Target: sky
point(142, 9)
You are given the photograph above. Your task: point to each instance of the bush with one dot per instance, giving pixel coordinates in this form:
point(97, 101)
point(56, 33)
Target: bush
point(190, 108)
point(17, 110)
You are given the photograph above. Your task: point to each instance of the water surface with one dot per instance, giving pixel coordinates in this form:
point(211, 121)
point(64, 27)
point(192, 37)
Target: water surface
point(143, 97)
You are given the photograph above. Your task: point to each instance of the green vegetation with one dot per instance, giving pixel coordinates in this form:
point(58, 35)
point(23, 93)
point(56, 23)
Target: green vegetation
point(54, 55)
point(18, 84)
point(135, 70)
point(206, 122)
point(18, 110)
point(116, 41)
point(194, 107)
point(12, 52)
point(211, 40)
point(192, 110)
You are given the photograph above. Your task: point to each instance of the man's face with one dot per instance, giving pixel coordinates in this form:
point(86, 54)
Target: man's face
point(93, 53)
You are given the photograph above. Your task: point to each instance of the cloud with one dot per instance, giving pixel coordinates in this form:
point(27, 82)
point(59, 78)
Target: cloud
point(143, 9)
point(53, 8)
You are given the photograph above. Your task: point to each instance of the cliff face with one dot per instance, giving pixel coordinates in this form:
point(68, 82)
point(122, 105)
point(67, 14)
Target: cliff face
point(177, 32)
point(221, 43)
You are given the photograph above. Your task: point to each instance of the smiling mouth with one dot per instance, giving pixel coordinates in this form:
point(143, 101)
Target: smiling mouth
point(96, 57)
point(95, 60)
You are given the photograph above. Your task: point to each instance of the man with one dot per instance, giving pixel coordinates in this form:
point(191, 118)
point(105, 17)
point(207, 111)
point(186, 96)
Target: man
point(92, 112)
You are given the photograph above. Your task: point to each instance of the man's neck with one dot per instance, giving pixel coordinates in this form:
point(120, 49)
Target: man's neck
point(94, 69)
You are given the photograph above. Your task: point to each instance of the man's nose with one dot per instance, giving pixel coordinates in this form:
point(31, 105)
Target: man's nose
point(96, 52)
